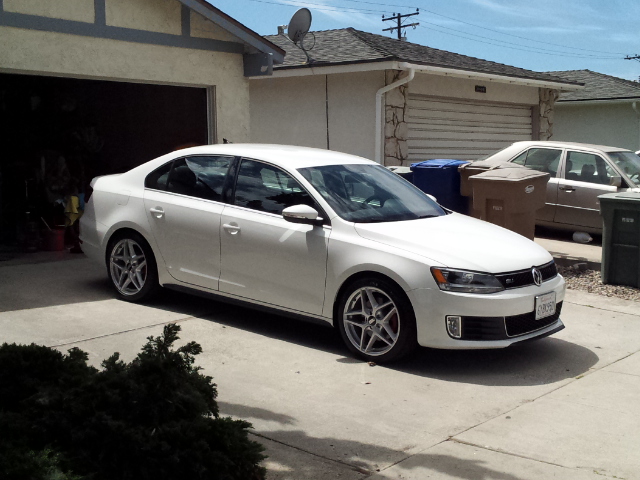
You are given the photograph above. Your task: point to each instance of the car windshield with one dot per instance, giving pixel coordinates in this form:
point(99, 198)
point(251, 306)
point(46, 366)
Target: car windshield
point(629, 163)
point(370, 193)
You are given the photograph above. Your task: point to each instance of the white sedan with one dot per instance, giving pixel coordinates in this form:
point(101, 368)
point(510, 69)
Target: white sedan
point(325, 236)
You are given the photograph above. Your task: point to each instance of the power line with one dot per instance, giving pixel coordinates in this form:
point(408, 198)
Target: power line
point(483, 27)
point(524, 49)
point(461, 34)
point(398, 18)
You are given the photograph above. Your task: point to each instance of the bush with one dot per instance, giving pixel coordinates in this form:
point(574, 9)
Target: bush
point(155, 417)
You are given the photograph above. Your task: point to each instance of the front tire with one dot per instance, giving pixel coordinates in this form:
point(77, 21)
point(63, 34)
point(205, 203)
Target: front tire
point(131, 266)
point(376, 320)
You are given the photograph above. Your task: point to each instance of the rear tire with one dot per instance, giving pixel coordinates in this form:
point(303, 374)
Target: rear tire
point(132, 267)
point(376, 320)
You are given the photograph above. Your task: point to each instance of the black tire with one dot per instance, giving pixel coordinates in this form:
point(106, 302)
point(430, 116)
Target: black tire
point(370, 335)
point(134, 279)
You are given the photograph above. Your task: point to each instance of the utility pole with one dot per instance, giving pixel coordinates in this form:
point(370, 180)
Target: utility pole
point(398, 18)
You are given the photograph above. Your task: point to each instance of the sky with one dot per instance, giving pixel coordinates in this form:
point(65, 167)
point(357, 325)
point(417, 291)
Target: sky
point(539, 35)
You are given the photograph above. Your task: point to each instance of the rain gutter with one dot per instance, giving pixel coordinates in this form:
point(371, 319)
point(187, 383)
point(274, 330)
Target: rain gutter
point(379, 94)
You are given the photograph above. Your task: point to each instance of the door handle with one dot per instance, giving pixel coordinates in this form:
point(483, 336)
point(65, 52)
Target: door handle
point(232, 229)
point(157, 211)
point(567, 189)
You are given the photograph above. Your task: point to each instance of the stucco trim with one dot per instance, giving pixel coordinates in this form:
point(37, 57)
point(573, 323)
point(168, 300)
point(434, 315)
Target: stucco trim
point(235, 28)
point(100, 12)
point(72, 27)
point(185, 20)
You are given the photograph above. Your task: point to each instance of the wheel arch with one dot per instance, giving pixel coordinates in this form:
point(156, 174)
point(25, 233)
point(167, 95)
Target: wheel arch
point(358, 276)
point(121, 230)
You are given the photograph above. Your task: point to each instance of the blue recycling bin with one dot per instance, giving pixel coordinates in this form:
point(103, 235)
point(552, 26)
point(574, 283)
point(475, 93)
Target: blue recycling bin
point(441, 179)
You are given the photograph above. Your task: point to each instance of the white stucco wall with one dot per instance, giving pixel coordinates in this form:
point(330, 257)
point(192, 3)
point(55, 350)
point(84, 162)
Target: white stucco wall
point(615, 125)
point(294, 111)
point(451, 87)
point(154, 15)
point(47, 53)
point(78, 10)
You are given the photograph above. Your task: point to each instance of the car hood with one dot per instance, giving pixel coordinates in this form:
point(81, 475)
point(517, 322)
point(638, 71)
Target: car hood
point(459, 241)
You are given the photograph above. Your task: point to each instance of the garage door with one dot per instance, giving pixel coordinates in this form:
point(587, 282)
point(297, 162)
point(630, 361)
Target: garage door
point(463, 130)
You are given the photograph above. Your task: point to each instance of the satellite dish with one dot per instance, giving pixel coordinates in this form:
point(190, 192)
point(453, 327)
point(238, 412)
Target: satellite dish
point(299, 25)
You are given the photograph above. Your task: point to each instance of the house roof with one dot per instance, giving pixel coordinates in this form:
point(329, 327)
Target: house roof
point(598, 86)
point(349, 46)
point(236, 28)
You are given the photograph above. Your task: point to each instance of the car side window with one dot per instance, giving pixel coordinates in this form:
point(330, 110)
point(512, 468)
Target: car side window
point(266, 188)
point(158, 178)
point(199, 176)
point(542, 159)
point(588, 167)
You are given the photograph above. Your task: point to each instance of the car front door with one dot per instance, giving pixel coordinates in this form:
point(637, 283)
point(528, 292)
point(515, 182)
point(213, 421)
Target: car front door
point(544, 160)
point(263, 256)
point(183, 201)
point(586, 175)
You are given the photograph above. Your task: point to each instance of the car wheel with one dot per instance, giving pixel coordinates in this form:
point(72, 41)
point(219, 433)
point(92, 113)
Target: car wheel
point(376, 320)
point(132, 267)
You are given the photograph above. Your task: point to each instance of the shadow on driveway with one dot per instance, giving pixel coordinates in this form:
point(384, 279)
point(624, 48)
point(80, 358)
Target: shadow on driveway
point(540, 362)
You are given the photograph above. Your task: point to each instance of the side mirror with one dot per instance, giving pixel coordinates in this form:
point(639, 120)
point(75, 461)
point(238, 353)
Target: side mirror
point(432, 197)
point(302, 214)
point(616, 181)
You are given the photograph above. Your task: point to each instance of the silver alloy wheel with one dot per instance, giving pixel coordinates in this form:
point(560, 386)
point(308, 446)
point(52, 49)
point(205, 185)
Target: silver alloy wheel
point(371, 320)
point(128, 267)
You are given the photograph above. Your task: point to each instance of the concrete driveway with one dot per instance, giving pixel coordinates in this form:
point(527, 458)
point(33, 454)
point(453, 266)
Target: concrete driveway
point(564, 407)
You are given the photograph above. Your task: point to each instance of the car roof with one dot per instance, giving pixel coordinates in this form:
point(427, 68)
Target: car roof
point(553, 143)
point(282, 155)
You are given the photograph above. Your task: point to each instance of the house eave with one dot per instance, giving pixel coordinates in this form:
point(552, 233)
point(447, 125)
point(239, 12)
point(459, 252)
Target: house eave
point(234, 27)
point(385, 64)
point(600, 101)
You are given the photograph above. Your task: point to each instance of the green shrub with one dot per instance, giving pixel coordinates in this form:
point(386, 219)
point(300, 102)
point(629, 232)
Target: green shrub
point(155, 417)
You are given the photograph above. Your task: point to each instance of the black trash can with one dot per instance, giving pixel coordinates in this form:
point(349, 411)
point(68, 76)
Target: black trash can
point(621, 238)
point(441, 179)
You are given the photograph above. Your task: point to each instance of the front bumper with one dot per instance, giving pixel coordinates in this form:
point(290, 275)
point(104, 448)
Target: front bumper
point(498, 319)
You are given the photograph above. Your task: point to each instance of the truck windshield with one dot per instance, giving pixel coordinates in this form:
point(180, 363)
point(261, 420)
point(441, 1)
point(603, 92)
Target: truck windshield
point(629, 163)
point(370, 193)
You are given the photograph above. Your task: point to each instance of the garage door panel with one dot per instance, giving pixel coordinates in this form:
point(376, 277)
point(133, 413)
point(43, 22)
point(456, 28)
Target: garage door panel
point(470, 119)
point(419, 134)
point(441, 128)
point(470, 154)
point(442, 106)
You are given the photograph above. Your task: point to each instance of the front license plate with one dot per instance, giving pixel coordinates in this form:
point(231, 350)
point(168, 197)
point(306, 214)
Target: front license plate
point(545, 305)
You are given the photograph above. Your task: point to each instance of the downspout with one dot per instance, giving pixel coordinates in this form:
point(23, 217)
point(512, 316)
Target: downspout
point(634, 105)
point(379, 94)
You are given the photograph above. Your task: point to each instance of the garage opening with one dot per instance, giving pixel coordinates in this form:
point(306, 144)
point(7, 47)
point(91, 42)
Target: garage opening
point(463, 129)
point(59, 133)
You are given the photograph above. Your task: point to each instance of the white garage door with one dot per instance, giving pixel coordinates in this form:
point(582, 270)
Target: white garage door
point(463, 129)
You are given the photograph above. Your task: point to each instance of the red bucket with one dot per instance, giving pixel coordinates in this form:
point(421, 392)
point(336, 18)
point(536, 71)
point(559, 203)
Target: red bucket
point(54, 239)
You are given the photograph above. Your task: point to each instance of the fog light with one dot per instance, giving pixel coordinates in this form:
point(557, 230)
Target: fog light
point(454, 326)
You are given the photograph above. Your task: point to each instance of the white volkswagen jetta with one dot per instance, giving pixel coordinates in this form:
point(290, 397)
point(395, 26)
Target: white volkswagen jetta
point(326, 236)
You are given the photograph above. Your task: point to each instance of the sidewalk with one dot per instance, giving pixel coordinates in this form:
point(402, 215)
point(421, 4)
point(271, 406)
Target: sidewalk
point(566, 252)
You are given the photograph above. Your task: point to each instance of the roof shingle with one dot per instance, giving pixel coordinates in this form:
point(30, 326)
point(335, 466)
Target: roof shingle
point(348, 45)
point(598, 86)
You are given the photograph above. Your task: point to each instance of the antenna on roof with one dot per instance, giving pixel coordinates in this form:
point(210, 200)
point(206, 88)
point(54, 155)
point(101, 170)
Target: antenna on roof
point(298, 29)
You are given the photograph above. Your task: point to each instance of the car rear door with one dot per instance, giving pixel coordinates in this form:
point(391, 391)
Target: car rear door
point(546, 160)
point(263, 256)
point(586, 175)
point(183, 201)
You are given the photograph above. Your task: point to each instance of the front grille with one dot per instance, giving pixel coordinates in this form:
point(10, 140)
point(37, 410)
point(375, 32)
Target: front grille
point(526, 323)
point(524, 278)
point(493, 328)
point(483, 328)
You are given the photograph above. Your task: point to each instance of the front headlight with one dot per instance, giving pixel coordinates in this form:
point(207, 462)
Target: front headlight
point(453, 280)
